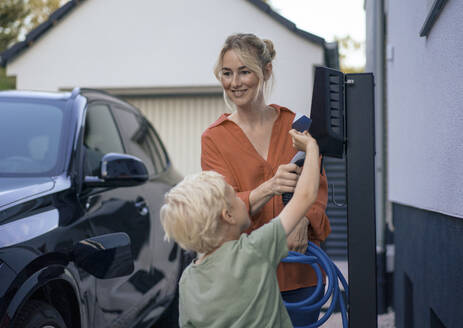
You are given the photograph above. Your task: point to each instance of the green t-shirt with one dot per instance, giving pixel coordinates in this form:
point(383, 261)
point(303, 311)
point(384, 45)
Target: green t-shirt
point(236, 286)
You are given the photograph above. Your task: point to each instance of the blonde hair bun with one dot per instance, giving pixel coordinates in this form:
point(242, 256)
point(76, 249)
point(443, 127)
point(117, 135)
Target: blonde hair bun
point(270, 48)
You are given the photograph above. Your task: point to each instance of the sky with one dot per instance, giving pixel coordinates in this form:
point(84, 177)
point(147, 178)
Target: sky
point(328, 19)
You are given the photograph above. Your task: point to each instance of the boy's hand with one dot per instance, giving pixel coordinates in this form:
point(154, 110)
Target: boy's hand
point(300, 139)
point(306, 189)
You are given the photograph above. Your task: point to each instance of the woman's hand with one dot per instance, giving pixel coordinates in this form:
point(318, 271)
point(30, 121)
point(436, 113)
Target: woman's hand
point(298, 238)
point(285, 179)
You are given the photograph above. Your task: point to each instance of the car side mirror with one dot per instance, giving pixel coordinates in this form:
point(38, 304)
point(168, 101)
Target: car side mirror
point(106, 256)
point(119, 170)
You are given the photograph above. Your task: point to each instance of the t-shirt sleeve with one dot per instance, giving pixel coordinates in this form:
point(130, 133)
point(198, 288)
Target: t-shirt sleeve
point(270, 241)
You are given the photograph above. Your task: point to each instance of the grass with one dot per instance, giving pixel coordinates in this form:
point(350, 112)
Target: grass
point(6, 82)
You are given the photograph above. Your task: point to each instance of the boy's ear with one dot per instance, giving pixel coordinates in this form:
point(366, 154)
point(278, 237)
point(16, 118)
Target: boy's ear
point(227, 217)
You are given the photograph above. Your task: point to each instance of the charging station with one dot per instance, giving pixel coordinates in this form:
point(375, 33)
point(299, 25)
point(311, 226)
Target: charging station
point(361, 220)
point(342, 116)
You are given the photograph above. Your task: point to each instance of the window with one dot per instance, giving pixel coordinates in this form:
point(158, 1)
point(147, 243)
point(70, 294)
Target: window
point(100, 137)
point(142, 140)
point(33, 134)
point(159, 149)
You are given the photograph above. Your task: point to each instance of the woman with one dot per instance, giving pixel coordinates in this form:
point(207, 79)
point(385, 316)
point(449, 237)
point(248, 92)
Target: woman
point(251, 148)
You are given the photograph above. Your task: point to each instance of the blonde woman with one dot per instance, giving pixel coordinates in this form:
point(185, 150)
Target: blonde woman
point(251, 148)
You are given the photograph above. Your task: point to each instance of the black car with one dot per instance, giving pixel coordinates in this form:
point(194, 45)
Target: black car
point(82, 179)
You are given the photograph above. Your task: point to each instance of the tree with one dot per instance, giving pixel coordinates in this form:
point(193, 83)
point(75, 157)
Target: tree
point(12, 16)
point(18, 17)
point(39, 11)
point(348, 46)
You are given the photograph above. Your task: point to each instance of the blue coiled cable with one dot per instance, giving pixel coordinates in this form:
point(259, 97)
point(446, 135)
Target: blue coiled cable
point(317, 258)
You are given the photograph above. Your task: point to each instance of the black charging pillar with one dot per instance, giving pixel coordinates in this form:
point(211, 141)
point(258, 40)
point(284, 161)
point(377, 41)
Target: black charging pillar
point(360, 182)
point(343, 124)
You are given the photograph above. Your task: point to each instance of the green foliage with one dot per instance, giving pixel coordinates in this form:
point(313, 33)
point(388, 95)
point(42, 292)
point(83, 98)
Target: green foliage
point(6, 82)
point(348, 45)
point(39, 10)
point(18, 17)
point(12, 16)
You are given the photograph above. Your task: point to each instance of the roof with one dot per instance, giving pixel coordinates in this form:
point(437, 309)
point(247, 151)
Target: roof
point(287, 23)
point(12, 52)
point(34, 94)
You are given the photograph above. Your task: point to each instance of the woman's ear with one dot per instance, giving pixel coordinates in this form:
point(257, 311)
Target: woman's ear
point(268, 71)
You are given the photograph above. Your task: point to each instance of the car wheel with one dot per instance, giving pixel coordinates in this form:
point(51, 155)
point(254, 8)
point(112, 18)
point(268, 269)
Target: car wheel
point(38, 314)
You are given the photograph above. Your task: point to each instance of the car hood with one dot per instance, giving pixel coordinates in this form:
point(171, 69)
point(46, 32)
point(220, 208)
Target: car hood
point(13, 190)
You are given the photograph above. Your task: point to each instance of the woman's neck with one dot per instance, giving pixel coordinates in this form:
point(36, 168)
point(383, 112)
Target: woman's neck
point(252, 115)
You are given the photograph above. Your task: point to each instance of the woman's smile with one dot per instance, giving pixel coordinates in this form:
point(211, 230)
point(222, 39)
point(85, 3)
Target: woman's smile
point(239, 93)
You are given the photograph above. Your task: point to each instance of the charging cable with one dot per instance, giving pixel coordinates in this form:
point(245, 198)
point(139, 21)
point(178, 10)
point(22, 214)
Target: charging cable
point(317, 258)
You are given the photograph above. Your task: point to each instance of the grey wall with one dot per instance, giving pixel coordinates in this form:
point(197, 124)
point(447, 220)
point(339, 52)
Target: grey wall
point(425, 107)
point(429, 269)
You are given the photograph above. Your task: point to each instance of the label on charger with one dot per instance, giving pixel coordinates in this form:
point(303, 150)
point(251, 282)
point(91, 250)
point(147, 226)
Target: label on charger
point(301, 122)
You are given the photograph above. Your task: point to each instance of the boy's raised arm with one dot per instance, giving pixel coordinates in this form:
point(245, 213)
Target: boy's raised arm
point(306, 190)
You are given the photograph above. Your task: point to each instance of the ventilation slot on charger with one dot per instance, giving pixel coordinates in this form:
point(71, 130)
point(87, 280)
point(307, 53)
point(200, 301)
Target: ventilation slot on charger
point(336, 122)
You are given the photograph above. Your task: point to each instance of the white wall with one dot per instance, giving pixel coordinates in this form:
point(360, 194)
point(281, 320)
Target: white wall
point(425, 107)
point(145, 43)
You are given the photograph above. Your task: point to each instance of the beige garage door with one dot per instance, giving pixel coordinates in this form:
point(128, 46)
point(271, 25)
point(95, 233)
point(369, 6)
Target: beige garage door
point(180, 122)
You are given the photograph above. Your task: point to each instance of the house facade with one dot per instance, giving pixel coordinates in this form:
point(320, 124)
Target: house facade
point(160, 56)
point(415, 49)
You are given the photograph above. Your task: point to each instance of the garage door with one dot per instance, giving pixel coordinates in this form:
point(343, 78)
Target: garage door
point(180, 121)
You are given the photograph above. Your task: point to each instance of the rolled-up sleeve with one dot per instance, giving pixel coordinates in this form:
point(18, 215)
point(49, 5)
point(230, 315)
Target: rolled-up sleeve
point(212, 160)
point(319, 227)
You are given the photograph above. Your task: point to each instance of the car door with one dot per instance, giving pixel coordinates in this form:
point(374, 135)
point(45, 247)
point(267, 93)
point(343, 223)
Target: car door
point(119, 300)
point(163, 257)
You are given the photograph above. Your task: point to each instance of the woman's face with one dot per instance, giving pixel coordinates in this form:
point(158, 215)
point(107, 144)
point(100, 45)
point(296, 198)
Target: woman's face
point(239, 82)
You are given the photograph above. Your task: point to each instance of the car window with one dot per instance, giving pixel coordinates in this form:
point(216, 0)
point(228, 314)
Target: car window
point(161, 154)
point(142, 142)
point(32, 135)
point(100, 137)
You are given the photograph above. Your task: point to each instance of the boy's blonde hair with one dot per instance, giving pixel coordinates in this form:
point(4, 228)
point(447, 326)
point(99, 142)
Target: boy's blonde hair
point(192, 210)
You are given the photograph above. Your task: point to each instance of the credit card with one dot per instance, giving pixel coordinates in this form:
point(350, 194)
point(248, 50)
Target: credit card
point(301, 123)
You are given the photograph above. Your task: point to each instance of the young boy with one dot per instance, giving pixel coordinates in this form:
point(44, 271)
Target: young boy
point(233, 283)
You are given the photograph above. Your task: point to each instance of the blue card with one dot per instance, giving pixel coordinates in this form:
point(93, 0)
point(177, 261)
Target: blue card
point(301, 123)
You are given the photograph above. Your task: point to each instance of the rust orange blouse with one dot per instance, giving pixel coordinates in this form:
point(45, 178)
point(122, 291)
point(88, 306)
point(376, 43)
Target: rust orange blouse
point(227, 150)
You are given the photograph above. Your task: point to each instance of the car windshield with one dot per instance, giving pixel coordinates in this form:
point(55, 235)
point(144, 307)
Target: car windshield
point(31, 136)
